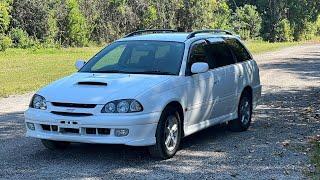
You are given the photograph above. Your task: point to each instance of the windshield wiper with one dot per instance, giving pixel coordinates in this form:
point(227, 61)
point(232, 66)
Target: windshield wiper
point(111, 71)
point(158, 72)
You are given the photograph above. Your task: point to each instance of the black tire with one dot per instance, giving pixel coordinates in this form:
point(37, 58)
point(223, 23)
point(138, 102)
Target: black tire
point(55, 145)
point(160, 150)
point(240, 124)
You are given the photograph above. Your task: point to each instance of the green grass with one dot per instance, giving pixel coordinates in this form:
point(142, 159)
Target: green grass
point(262, 46)
point(315, 159)
point(25, 70)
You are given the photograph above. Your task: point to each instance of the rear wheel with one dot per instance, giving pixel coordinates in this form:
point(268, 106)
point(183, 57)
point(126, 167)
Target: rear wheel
point(168, 135)
point(243, 121)
point(55, 145)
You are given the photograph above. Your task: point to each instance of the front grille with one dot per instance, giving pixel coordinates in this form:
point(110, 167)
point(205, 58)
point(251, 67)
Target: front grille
point(69, 130)
point(99, 131)
point(71, 114)
point(74, 105)
point(85, 130)
point(46, 127)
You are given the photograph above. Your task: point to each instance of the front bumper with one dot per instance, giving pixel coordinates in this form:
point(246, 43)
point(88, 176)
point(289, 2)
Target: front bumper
point(142, 127)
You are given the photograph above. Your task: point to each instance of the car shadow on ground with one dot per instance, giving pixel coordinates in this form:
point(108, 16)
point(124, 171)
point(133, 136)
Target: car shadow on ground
point(279, 132)
point(281, 116)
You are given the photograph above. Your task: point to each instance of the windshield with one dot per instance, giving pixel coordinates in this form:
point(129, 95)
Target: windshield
point(138, 57)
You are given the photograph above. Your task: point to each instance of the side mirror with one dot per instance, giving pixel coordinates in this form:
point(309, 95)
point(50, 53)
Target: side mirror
point(199, 67)
point(79, 64)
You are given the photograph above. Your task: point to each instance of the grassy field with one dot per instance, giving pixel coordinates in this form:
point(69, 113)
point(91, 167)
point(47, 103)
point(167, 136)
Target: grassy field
point(315, 159)
point(24, 70)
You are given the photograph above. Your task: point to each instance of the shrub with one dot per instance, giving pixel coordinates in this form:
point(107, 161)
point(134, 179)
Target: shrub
point(307, 31)
point(5, 42)
point(317, 23)
point(76, 26)
point(247, 21)
point(283, 31)
point(4, 17)
point(20, 38)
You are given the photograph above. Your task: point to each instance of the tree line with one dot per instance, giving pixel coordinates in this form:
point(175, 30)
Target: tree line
point(28, 23)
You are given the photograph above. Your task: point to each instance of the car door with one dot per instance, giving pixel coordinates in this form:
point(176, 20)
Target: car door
point(225, 84)
point(199, 88)
point(243, 67)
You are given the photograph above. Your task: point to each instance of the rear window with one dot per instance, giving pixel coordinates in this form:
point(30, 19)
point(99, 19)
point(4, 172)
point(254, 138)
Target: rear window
point(239, 50)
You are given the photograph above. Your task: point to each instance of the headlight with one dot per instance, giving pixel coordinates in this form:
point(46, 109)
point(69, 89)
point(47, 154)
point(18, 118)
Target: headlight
point(38, 102)
point(122, 106)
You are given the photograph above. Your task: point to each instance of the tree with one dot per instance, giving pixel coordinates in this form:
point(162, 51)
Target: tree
point(4, 17)
point(222, 16)
point(76, 25)
point(283, 31)
point(247, 21)
point(31, 16)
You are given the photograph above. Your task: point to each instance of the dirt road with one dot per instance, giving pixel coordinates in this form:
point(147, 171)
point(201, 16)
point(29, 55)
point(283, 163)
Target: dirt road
point(275, 147)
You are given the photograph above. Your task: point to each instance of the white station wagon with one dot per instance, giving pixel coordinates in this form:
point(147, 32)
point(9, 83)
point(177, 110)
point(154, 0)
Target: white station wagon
point(150, 88)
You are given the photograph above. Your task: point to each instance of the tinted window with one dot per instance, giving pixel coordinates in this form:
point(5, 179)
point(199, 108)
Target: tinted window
point(239, 51)
point(138, 57)
point(220, 55)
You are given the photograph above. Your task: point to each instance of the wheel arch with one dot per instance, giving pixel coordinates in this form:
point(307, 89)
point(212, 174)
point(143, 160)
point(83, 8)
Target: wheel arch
point(178, 106)
point(247, 90)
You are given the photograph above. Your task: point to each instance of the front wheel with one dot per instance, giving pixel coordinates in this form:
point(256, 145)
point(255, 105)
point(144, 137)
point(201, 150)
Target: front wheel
point(55, 145)
point(243, 121)
point(168, 135)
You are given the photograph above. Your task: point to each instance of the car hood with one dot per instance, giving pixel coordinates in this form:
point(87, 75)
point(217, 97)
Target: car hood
point(100, 88)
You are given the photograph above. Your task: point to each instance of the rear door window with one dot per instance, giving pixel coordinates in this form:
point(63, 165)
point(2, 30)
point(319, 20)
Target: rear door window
point(239, 50)
point(220, 54)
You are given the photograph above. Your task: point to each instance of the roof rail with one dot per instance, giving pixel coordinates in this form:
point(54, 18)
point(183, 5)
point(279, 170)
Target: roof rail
point(149, 30)
point(193, 34)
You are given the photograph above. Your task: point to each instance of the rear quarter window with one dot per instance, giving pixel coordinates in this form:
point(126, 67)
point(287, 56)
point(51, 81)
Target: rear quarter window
point(239, 50)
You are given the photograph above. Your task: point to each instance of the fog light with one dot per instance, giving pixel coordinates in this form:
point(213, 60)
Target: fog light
point(121, 132)
point(31, 126)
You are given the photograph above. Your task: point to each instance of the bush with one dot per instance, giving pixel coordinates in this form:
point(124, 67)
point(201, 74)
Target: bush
point(307, 32)
point(283, 31)
point(76, 27)
point(4, 17)
point(5, 42)
point(20, 38)
point(247, 21)
point(318, 25)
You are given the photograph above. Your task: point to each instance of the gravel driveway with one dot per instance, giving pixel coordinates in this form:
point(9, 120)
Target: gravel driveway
point(275, 147)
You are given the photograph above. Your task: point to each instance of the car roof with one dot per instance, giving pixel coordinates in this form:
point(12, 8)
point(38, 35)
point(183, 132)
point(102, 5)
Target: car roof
point(174, 37)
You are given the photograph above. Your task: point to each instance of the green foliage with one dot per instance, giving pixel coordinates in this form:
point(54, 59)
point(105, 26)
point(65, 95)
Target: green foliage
point(222, 16)
point(150, 17)
point(52, 30)
point(32, 17)
point(307, 31)
point(66, 23)
point(5, 42)
point(4, 17)
point(20, 38)
point(317, 24)
point(283, 31)
point(247, 21)
point(76, 25)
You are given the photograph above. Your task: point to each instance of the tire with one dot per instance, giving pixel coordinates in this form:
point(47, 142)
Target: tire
point(169, 125)
point(243, 121)
point(55, 145)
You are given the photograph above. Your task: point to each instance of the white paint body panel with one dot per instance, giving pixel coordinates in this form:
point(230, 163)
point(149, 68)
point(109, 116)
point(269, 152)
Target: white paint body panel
point(207, 99)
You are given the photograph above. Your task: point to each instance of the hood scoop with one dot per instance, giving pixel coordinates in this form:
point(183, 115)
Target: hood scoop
point(92, 83)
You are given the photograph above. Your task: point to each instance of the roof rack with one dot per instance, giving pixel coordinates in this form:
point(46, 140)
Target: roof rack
point(193, 34)
point(150, 31)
